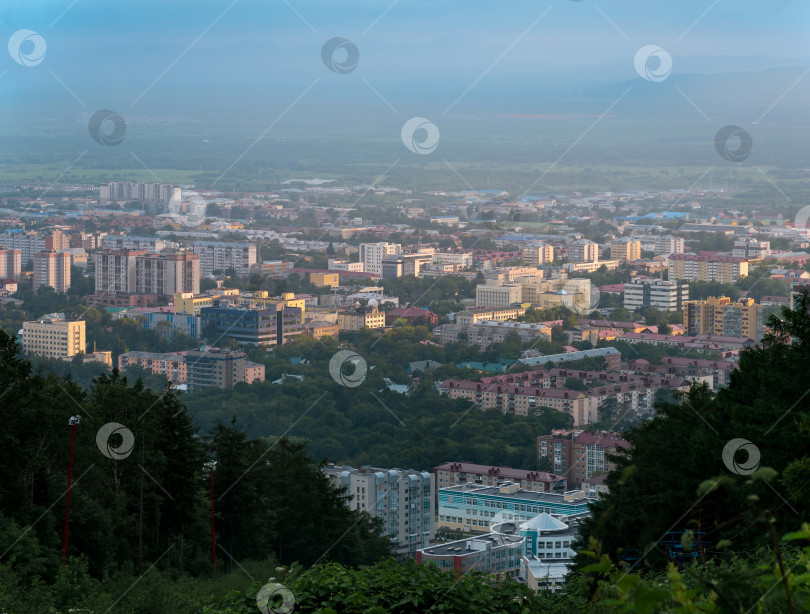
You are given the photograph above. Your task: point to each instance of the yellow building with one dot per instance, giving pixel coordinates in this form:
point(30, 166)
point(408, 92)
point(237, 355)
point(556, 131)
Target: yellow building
point(52, 336)
point(625, 249)
point(719, 316)
point(694, 267)
point(322, 280)
point(188, 302)
point(537, 253)
point(261, 299)
point(362, 317)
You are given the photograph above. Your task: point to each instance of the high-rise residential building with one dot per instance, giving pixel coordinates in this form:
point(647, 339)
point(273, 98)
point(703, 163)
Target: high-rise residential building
point(221, 256)
point(116, 272)
point(710, 267)
point(30, 242)
point(403, 499)
point(150, 244)
point(167, 274)
point(656, 293)
point(52, 269)
point(751, 249)
point(580, 455)
point(583, 250)
point(719, 316)
point(10, 263)
point(54, 336)
point(625, 249)
point(372, 254)
point(668, 244)
point(537, 253)
point(126, 191)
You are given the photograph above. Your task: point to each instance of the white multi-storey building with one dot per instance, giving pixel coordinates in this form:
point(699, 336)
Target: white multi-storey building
point(583, 250)
point(150, 244)
point(115, 271)
point(342, 264)
point(372, 254)
point(751, 249)
point(657, 293)
point(492, 295)
point(405, 501)
point(220, 256)
point(668, 244)
point(460, 261)
point(124, 191)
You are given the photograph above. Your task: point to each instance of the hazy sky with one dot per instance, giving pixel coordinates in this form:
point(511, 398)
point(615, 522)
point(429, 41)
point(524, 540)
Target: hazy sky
point(115, 50)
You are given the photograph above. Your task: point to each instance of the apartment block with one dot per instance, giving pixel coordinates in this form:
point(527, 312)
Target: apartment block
point(581, 455)
point(454, 474)
point(403, 499)
point(459, 261)
point(751, 249)
point(221, 256)
point(115, 271)
point(54, 336)
point(272, 268)
point(372, 255)
point(625, 249)
point(485, 333)
point(361, 317)
point(10, 263)
point(668, 244)
point(153, 245)
point(403, 265)
point(341, 264)
point(583, 250)
point(172, 365)
point(538, 253)
point(127, 191)
point(52, 269)
point(719, 316)
point(30, 242)
point(167, 274)
point(216, 368)
point(694, 267)
point(643, 292)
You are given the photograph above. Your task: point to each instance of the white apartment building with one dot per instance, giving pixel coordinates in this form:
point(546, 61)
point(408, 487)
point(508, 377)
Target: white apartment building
point(221, 256)
point(167, 274)
point(160, 193)
point(657, 293)
point(372, 254)
point(342, 264)
point(460, 261)
point(537, 253)
point(751, 249)
point(404, 499)
point(150, 244)
point(491, 295)
point(10, 263)
point(583, 250)
point(668, 244)
point(115, 271)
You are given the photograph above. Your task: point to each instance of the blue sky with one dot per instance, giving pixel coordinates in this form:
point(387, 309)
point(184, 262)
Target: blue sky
point(107, 53)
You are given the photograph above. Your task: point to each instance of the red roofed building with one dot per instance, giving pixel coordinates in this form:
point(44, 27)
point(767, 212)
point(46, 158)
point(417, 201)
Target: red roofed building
point(453, 474)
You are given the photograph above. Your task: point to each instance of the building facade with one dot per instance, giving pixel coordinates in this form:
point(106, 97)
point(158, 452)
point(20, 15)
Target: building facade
point(694, 267)
point(221, 256)
point(404, 499)
point(372, 255)
point(52, 269)
point(257, 326)
point(10, 263)
point(583, 250)
point(360, 317)
point(455, 474)
point(719, 316)
point(537, 253)
point(642, 292)
point(625, 249)
point(53, 336)
point(580, 455)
